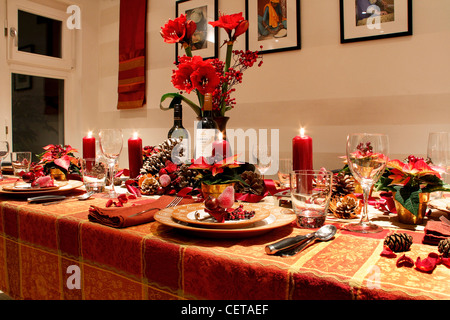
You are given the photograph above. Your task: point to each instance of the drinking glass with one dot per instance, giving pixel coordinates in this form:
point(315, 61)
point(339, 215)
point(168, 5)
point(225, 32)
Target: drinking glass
point(94, 173)
point(4, 150)
point(20, 162)
point(111, 142)
point(366, 158)
point(310, 195)
point(284, 169)
point(438, 153)
point(263, 159)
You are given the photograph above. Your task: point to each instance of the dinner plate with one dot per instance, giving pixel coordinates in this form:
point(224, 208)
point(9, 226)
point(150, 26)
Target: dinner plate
point(277, 218)
point(27, 187)
point(69, 186)
point(440, 204)
point(207, 221)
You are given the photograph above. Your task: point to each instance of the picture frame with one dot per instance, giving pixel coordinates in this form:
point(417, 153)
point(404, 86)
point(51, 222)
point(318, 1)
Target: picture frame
point(362, 20)
point(273, 36)
point(201, 12)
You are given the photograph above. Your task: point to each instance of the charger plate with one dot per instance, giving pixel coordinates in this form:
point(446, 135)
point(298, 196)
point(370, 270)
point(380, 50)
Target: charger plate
point(278, 217)
point(65, 187)
point(188, 215)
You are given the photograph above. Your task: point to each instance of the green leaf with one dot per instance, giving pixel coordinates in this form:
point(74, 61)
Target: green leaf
point(409, 198)
point(177, 98)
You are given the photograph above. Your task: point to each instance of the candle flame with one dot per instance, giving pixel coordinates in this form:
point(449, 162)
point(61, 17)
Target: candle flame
point(89, 134)
point(302, 132)
point(220, 136)
point(135, 135)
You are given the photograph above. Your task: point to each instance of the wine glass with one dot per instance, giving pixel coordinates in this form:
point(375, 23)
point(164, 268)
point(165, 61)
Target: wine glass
point(366, 158)
point(111, 142)
point(263, 159)
point(4, 150)
point(438, 154)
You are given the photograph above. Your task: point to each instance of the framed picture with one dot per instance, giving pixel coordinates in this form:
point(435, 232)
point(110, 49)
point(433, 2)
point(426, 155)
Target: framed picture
point(375, 19)
point(273, 24)
point(206, 36)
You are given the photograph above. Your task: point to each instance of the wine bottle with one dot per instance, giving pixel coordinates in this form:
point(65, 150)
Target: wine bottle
point(206, 131)
point(181, 153)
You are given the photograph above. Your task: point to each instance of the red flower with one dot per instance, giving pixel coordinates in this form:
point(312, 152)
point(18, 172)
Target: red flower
point(179, 30)
point(232, 22)
point(204, 78)
point(403, 172)
point(181, 78)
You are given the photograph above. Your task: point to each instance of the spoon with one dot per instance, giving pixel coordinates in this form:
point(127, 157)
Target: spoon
point(323, 234)
point(289, 243)
point(82, 197)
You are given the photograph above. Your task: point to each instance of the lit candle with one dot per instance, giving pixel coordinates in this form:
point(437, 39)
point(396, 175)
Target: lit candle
point(302, 156)
point(135, 155)
point(221, 148)
point(89, 146)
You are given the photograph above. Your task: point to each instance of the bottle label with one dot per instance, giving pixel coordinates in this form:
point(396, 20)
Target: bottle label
point(204, 142)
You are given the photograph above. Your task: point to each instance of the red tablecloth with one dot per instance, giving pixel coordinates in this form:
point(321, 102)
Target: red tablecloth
point(41, 246)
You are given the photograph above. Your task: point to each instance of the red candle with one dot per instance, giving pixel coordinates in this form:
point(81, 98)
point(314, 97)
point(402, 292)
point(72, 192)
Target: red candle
point(135, 155)
point(221, 148)
point(302, 156)
point(89, 146)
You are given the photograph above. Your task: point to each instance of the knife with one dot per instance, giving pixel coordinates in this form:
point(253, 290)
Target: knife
point(41, 199)
point(286, 243)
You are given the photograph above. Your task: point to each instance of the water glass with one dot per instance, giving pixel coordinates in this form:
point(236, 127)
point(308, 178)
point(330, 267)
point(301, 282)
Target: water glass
point(284, 169)
point(310, 196)
point(438, 153)
point(20, 162)
point(4, 150)
point(94, 172)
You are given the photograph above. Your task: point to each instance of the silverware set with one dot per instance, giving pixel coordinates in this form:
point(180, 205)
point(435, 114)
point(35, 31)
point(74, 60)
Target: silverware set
point(173, 203)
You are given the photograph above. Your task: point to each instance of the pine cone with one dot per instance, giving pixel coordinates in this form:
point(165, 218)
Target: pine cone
point(158, 159)
point(149, 185)
point(187, 177)
point(343, 184)
point(255, 183)
point(346, 207)
point(398, 242)
point(444, 247)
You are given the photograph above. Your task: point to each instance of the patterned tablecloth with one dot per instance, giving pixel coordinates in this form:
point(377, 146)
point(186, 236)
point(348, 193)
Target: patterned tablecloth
point(54, 252)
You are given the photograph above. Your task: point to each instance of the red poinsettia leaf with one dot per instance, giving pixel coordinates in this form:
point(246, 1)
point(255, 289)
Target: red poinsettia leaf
point(219, 216)
point(425, 265)
point(170, 166)
point(48, 147)
point(405, 261)
point(388, 253)
point(63, 162)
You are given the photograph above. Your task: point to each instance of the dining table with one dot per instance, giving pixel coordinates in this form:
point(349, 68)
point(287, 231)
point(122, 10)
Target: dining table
point(56, 252)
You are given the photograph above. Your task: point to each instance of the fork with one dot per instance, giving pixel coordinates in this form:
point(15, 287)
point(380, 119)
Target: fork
point(173, 203)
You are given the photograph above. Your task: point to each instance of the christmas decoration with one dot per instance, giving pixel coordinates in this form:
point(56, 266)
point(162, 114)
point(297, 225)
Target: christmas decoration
point(444, 247)
point(254, 183)
point(347, 207)
point(398, 242)
point(343, 184)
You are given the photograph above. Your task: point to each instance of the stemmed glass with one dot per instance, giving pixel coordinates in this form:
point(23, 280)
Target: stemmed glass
point(263, 159)
point(111, 142)
point(366, 158)
point(4, 150)
point(438, 154)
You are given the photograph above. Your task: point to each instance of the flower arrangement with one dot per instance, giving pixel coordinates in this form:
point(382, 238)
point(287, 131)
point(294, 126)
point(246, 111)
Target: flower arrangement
point(193, 74)
point(218, 172)
point(408, 179)
point(59, 157)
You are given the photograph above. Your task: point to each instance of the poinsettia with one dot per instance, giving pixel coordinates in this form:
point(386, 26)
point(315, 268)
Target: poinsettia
point(191, 76)
point(408, 179)
point(217, 172)
point(59, 157)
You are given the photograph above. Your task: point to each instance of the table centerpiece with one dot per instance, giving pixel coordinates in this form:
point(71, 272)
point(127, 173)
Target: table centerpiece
point(193, 74)
point(59, 161)
point(411, 181)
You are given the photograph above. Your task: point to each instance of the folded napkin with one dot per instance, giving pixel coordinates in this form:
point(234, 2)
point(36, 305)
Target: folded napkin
point(436, 231)
point(122, 217)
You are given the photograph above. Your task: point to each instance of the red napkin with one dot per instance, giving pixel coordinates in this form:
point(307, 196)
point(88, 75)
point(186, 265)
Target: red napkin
point(120, 217)
point(436, 231)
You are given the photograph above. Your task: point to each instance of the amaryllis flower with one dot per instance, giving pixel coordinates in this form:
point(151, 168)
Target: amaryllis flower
point(179, 30)
point(181, 78)
point(232, 22)
point(205, 78)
